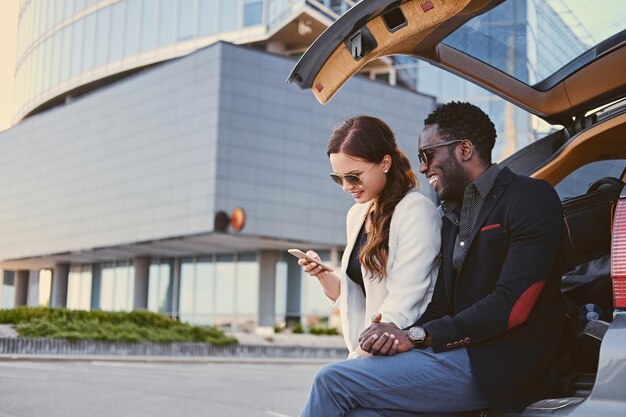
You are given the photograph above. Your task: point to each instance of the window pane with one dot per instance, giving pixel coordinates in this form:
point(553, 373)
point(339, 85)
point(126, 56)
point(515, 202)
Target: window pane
point(166, 22)
point(68, 8)
point(187, 290)
point(47, 58)
point(133, 23)
point(45, 287)
point(205, 290)
point(58, 13)
point(207, 13)
point(124, 288)
point(247, 294)
point(159, 288)
point(148, 25)
point(77, 48)
point(56, 58)
point(107, 288)
point(79, 288)
point(117, 32)
point(225, 292)
point(185, 19)
point(102, 36)
point(89, 42)
point(578, 182)
point(66, 50)
point(252, 12)
point(229, 15)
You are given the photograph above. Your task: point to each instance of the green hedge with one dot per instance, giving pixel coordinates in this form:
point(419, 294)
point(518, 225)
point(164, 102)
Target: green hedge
point(136, 326)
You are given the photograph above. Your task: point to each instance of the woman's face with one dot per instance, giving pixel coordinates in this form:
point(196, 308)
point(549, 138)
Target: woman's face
point(363, 179)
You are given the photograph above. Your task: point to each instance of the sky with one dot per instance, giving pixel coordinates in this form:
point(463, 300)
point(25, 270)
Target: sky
point(8, 31)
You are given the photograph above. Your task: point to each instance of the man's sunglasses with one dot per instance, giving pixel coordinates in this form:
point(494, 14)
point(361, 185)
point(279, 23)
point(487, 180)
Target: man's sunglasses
point(352, 179)
point(423, 157)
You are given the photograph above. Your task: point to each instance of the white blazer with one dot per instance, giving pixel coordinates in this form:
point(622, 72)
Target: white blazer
point(412, 267)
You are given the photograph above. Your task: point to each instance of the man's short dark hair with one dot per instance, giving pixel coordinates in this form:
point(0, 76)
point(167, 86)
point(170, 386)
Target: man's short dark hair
point(458, 120)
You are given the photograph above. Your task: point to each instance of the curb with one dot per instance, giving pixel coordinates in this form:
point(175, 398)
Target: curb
point(162, 359)
point(52, 349)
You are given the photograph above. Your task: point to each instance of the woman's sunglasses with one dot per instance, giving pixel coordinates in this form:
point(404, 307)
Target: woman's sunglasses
point(352, 179)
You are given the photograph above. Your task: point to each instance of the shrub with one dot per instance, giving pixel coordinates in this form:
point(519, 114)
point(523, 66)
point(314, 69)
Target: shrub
point(132, 327)
point(323, 331)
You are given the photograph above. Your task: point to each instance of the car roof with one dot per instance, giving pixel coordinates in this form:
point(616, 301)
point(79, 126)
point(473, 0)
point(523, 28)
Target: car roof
point(560, 81)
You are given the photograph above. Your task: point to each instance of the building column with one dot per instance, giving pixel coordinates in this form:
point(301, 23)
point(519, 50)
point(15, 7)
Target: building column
point(175, 289)
point(21, 288)
point(96, 286)
point(294, 291)
point(60, 276)
point(142, 275)
point(267, 291)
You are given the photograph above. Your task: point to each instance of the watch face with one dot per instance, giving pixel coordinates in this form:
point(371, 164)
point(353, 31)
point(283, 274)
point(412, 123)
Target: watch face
point(417, 334)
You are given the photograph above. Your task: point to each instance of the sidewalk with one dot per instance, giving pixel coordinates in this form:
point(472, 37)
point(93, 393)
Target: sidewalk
point(289, 339)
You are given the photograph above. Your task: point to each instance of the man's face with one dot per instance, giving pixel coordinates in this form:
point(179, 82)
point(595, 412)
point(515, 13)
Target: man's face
point(442, 168)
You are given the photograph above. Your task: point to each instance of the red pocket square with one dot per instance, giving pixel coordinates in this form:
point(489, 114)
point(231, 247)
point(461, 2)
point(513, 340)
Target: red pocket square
point(491, 226)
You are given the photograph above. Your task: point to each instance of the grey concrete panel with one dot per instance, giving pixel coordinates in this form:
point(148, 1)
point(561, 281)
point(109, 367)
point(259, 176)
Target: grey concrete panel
point(155, 155)
point(272, 145)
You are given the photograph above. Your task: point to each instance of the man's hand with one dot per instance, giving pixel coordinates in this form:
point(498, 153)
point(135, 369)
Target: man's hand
point(384, 338)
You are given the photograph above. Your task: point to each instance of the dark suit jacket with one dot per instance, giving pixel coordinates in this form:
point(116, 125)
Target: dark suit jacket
point(504, 304)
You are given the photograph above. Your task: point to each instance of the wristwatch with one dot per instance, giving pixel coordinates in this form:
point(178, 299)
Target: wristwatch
point(417, 335)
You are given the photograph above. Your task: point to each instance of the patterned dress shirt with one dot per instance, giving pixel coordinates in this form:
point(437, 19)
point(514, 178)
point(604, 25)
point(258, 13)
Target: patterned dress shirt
point(465, 216)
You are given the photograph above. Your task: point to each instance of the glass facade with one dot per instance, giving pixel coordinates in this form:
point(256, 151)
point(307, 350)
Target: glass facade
point(79, 287)
point(160, 287)
point(60, 40)
point(220, 290)
point(117, 286)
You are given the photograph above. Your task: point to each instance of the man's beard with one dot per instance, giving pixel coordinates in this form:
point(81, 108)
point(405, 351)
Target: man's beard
point(455, 181)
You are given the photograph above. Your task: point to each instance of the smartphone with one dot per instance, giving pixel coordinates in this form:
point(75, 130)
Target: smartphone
point(299, 254)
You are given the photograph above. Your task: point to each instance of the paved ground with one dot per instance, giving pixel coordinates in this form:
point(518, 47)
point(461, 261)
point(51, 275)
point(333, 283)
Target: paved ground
point(120, 389)
point(7, 331)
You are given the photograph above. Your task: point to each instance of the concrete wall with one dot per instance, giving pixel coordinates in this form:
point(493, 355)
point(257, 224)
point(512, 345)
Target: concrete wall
point(272, 144)
point(157, 154)
point(128, 163)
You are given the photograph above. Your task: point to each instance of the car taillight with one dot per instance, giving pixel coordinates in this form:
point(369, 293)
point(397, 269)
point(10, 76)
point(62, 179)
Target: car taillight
point(618, 255)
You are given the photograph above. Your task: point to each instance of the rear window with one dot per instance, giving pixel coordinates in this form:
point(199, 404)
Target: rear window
point(578, 182)
point(533, 40)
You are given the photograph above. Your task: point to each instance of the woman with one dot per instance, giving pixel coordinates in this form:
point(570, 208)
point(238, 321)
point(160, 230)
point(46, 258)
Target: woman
point(391, 260)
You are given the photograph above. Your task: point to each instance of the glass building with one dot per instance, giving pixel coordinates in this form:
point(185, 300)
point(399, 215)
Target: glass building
point(68, 47)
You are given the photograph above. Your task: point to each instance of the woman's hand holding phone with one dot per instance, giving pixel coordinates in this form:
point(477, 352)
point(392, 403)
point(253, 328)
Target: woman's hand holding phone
point(311, 262)
point(312, 265)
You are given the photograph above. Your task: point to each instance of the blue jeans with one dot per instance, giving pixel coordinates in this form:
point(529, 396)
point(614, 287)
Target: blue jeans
point(417, 381)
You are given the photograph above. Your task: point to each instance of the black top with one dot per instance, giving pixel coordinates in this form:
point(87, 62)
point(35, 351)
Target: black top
point(354, 265)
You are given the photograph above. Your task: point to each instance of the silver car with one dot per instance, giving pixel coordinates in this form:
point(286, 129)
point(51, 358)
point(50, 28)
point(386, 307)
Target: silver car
point(567, 66)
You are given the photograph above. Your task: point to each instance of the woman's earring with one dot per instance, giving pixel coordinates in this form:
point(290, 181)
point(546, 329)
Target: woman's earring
point(385, 171)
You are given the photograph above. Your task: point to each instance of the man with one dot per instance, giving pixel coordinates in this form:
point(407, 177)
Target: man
point(493, 328)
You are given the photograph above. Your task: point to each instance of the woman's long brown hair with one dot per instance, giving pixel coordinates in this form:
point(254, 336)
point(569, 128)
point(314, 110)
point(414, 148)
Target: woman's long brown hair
point(370, 139)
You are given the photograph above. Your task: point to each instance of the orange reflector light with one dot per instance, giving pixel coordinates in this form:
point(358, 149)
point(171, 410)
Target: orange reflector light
point(238, 219)
point(618, 255)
